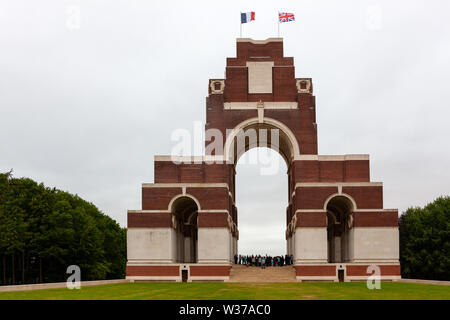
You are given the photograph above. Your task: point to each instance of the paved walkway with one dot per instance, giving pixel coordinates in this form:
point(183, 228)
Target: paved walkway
point(241, 273)
point(56, 285)
point(442, 283)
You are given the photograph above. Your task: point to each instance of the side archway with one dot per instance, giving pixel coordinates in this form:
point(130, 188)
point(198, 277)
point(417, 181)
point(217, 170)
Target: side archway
point(339, 208)
point(184, 209)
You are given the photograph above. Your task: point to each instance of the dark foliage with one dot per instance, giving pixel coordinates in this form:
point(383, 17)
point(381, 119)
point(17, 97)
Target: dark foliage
point(43, 231)
point(425, 241)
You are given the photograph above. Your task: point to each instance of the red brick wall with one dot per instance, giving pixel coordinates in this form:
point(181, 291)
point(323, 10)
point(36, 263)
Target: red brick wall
point(158, 198)
point(331, 171)
point(311, 219)
point(236, 84)
point(386, 270)
point(217, 271)
point(313, 197)
point(212, 219)
point(315, 270)
point(366, 197)
point(149, 220)
point(306, 171)
point(170, 172)
point(376, 219)
point(211, 197)
point(153, 271)
point(357, 171)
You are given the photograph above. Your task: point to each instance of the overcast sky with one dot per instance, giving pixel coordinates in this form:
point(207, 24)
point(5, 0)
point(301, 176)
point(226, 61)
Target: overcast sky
point(86, 103)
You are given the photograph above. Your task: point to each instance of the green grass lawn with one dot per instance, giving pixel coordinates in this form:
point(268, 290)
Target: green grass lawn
point(238, 291)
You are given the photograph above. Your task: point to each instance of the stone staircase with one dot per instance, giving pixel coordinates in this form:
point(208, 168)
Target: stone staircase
point(241, 273)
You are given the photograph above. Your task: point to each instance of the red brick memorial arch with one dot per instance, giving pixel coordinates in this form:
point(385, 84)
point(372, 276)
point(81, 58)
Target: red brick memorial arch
point(335, 222)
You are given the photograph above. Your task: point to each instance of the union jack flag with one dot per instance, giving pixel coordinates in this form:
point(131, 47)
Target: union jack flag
point(285, 17)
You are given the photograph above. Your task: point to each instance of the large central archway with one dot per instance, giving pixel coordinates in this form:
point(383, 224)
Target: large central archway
point(261, 199)
point(256, 132)
point(266, 135)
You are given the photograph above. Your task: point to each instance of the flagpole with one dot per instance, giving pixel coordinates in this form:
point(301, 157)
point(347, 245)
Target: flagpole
point(240, 20)
point(278, 18)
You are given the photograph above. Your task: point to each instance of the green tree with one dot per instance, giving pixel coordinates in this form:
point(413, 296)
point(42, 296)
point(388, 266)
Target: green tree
point(43, 231)
point(425, 241)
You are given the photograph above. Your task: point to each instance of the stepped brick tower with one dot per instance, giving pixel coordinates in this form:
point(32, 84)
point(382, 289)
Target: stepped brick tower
point(336, 226)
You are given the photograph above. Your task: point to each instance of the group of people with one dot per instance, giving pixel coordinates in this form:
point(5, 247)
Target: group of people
point(263, 261)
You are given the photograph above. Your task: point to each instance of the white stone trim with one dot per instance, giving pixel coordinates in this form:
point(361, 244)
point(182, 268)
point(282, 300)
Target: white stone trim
point(306, 262)
point(208, 278)
point(148, 211)
point(259, 41)
point(340, 195)
point(184, 195)
point(308, 85)
point(378, 261)
point(376, 210)
point(188, 185)
point(337, 184)
point(190, 159)
point(297, 157)
point(364, 278)
point(317, 278)
point(212, 262)
point(343, 157)
point(212, 86)
point(332, 157)
point(260, 107)
point(214, 210)
point(277, 124)
point(306, 157)
point(254, 105)
point(154, 278)
point(260, 76)
point(148, 262)
point(310, 210)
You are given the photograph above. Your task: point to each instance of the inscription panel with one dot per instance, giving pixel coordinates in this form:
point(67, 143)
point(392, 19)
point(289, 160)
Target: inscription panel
point(260, 76)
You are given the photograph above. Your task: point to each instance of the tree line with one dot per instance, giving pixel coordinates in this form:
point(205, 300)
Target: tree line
point(425, 241)
point(44, 230)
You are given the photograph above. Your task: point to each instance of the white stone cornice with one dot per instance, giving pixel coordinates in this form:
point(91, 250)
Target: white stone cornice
point(254, 105)
point(188, 185)
point(344, 157)
point(149, 211)
point(259, 41)
point(192, 159)
point(214, 211)
point(338, 184)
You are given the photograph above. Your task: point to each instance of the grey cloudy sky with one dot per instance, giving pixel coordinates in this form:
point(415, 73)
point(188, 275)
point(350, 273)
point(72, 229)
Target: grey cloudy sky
point(86, 109)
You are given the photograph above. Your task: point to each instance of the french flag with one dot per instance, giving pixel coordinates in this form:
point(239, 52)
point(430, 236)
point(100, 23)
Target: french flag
point(247, 16)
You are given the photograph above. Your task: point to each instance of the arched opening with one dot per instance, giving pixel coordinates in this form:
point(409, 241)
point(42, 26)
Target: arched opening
point(261, 189)
point(184, 217)
point(340, 221)
point(268, 133)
